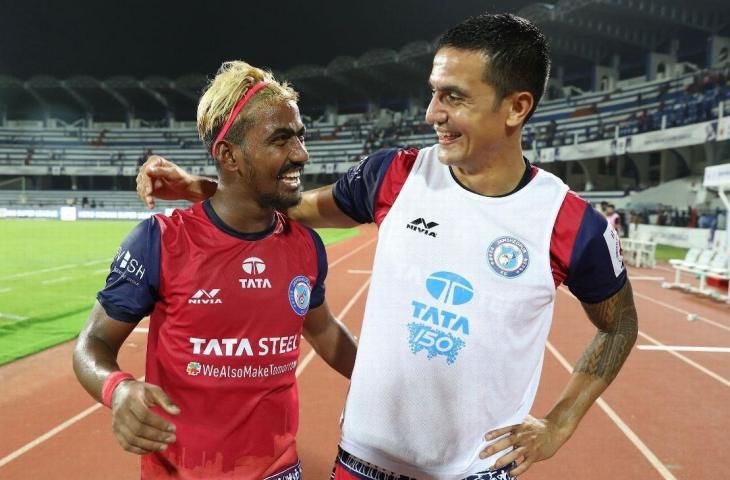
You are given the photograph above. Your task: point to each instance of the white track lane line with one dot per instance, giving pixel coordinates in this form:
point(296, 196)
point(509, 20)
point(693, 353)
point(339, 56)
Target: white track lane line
point(654, 279)
point(341, 315)
point(685, 312)
point(630, 434)
point(51, 433)
point(686, 360)
point(58, 429)
point(353, 252)
point(682, 348)
point(360, 272)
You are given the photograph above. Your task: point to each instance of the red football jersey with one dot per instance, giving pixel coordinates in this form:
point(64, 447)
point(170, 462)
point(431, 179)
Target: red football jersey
point(224, 337)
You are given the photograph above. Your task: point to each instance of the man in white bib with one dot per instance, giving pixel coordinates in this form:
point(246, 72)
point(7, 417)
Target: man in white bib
point(473, 242)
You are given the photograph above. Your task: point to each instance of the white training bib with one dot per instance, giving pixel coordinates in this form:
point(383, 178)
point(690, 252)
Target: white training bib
point(456, 321)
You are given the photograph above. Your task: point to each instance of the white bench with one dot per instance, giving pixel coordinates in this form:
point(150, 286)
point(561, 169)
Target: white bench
point(639, 253)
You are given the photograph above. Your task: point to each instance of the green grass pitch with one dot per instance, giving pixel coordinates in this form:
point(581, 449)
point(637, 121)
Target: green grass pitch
point(50, 272)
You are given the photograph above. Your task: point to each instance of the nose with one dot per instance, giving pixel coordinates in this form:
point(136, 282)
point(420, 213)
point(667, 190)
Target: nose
point(299, 153)
point(435, 114)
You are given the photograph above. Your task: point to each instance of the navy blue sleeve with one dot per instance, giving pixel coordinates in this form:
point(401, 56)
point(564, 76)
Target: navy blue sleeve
point(133, 282)
point(356, 191)
point(596, 270)
point(317, 298)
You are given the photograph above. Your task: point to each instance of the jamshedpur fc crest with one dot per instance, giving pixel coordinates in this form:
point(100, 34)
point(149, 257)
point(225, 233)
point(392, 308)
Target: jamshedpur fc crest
point(508, 257)
point(299, 294)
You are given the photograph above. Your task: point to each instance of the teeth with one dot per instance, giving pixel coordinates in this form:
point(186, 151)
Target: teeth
point(448, 135)
point(292, 176)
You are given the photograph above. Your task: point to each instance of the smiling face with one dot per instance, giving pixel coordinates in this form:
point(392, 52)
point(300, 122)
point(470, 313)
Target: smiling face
point(274, 155)
point(471, 123)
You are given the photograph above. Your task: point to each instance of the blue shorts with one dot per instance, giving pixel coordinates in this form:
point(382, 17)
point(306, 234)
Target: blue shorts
point(349, 467)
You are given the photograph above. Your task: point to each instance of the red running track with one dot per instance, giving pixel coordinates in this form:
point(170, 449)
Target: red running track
point(665, 416)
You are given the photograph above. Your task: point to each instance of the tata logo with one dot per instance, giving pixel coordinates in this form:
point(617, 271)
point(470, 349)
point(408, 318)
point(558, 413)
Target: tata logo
point(205, 297)
point(254, 266)
point(449, 288)
point(422, 226)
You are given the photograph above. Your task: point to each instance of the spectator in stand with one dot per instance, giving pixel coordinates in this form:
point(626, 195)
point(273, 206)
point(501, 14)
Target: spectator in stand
point(614, 218)
point(603, 207)
point(29, 155)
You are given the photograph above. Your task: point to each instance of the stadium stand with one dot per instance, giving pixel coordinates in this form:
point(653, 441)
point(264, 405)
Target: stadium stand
point(634, 112)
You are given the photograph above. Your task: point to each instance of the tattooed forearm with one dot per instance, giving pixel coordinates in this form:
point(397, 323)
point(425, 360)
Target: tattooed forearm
point(617, 329)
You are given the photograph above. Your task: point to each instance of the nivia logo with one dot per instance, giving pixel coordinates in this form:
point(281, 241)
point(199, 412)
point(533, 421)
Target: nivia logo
point(449, 288)
point(205, 297)
point(253, 266)
point(508, 257)
point(422, 226)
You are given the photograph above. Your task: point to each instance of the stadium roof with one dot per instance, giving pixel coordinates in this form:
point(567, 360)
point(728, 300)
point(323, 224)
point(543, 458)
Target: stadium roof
point(582, 33)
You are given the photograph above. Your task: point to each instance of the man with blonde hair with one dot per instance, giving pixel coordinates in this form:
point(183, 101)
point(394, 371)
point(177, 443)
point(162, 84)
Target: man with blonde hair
point(227, 308)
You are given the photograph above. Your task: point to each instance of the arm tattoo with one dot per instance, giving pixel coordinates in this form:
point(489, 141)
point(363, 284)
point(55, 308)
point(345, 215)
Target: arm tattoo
point(617, 329)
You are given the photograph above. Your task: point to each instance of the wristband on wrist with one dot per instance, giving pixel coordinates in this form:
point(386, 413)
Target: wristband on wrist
point(111, 382)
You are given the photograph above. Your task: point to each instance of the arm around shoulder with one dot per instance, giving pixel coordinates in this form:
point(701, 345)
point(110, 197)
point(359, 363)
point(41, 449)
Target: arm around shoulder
point(318, 209)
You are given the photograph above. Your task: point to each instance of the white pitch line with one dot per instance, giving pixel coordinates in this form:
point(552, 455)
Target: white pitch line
point(52, 269)
point(308, 358)
point(56, 280)
point(96, 262)
point(686, 360)
point(348, 255)
point(685, 312)
point(97, 272)
point(5, 290)
point(630, 434)
point(11, 316)
point(681, 348)
point(51, 433)
point(36, 272)
point(360, 272)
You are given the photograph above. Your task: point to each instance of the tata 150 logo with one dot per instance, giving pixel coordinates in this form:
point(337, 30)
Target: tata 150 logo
point(440, 329)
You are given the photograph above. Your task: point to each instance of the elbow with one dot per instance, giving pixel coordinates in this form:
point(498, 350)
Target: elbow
point(78, 354)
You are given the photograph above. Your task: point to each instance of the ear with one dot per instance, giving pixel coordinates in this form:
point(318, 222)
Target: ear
point(520, 105)
point(226, 156)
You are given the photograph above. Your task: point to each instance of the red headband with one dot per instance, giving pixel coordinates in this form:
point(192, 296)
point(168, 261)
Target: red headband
point(236, 110)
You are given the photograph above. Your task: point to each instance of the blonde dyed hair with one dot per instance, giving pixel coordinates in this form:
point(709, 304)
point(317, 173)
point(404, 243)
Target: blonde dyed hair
point(230, 84)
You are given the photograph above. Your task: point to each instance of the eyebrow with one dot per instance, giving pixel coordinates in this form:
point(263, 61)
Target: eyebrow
point(449, 89)
point(287, 132)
